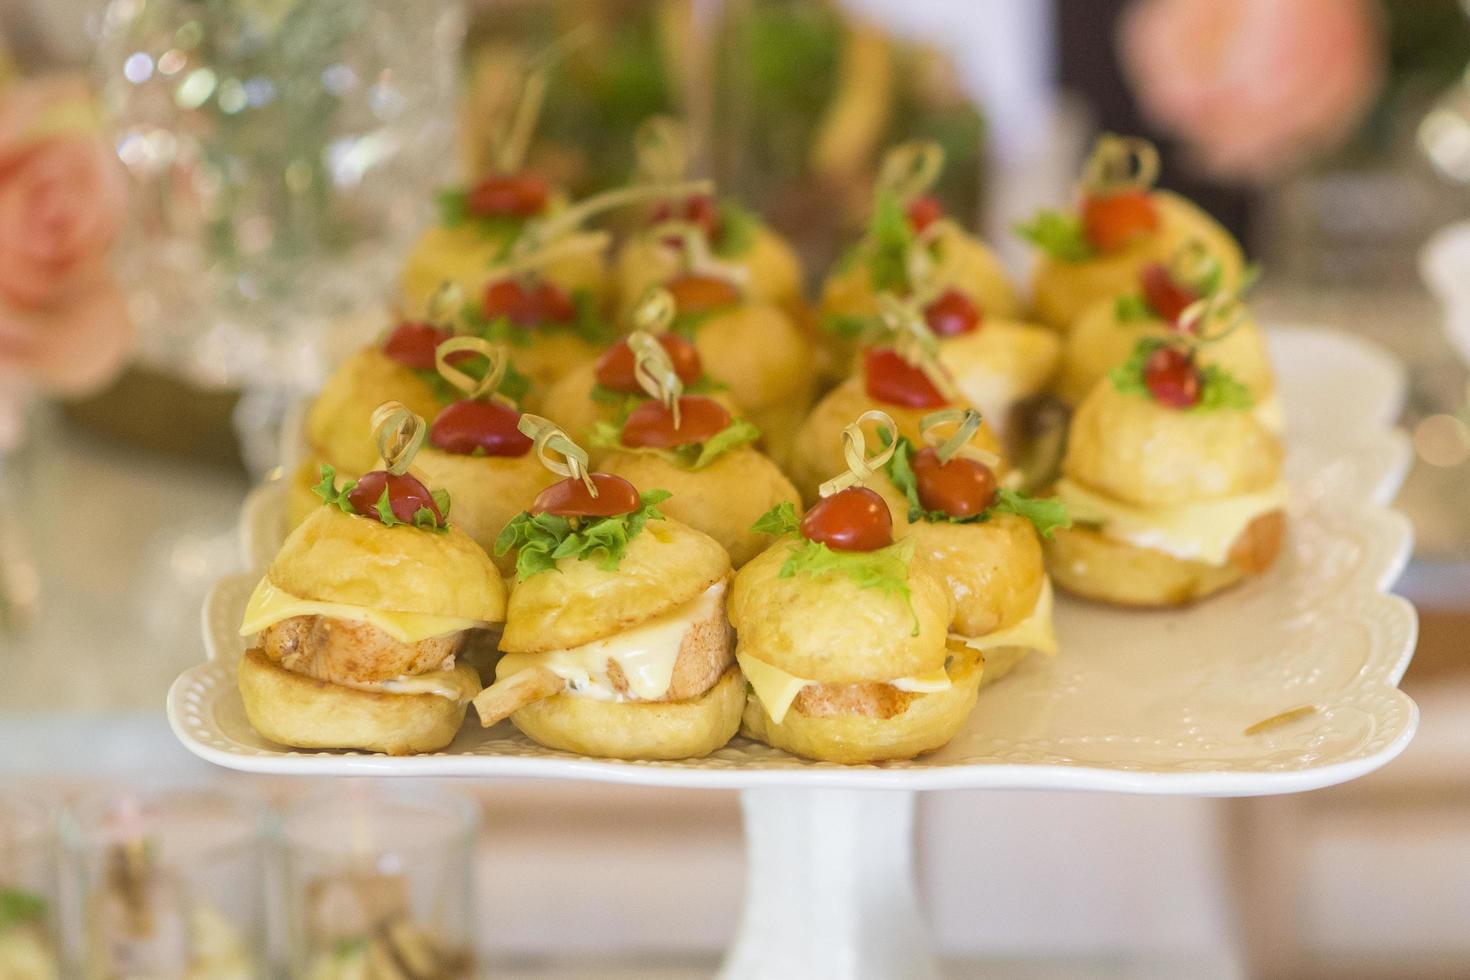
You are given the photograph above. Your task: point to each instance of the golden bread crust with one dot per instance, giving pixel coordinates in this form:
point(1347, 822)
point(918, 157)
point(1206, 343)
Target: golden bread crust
point(827, 628)
point(1133, 449)
point(337, 557)
point(339, 422)
point(667, 564)
point(775, 273)
point(723, 500)
point(759, 354)
point(299, 711)
point(1024, 354)
point(638, 729)
point(994, 569)
point(485, 492)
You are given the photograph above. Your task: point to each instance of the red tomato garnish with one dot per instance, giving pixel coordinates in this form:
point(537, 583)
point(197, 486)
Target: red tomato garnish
point(413, 344)
point(699, 209)
point(960, 488)
point(923, 211)
point(487, 426)
point(855, 519)
point(951, 314)
point(615, 366)
point(1172, 378)
point(406, 496)
point(892, 380)
point(1112, 222)
point(528, 304)
point(569, 498)
point(694, 293)
point(1167, 298)
point(651, 424)
point(508, 195)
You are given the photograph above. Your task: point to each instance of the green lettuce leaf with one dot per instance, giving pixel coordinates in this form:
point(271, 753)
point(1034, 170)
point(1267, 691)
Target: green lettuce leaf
point(738, 228)
point(1058, 235)
point(888, 241)
point(1221, 389)
point(453, 207)
point(1045, 513)
point(780, 520)
point(851, 326)
point(1131, 308)
point(739, 432)
point(541, 540)
point(18, 907)
point(695, 456)
point(331, 496)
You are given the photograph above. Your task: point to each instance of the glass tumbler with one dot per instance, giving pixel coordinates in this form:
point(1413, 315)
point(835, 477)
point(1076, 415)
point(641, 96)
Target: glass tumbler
point(29, 949)
point(378, 882)
point(170, 885)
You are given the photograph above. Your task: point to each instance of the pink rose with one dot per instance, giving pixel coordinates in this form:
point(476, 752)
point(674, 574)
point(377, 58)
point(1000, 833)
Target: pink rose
point(61, 193)
point(72, 348)
point(1253, 86)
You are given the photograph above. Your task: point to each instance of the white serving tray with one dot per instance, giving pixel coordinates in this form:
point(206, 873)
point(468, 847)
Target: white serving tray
point(1151, 702)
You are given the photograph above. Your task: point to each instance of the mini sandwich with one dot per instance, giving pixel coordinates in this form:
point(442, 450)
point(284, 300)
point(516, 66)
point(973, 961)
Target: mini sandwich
point(359, 619)
point(738, 238)
point(982, 538)
point(1120, 225)
point(1173, 484)
point(616, 641)
point(912, 246)
point(901, 379)
point(1185, 298)
point(842, 632)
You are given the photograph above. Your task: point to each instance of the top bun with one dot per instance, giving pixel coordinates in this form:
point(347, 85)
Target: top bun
point(665, 565)
point(338, 557)
point(1142, 453)
point(827, 628)
point(339, 424)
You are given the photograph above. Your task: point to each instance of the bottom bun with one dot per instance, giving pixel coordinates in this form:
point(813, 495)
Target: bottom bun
point(307, 713)
point(928, 723)
point(638, 729)
point(1091, 565)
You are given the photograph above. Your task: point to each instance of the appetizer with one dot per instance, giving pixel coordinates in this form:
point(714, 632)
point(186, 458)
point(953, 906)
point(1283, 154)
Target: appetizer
point(474, 450)
point(360, 925)
point(358, 620)
point(607, 390)
point(912, 249)
point(903, 378)
point(982, 538)
point(1185, 296)
point(691, 446)
point(616, 642)
point(1173, 484)
point(842, 631)
point(1121, 224)
point(737, 237)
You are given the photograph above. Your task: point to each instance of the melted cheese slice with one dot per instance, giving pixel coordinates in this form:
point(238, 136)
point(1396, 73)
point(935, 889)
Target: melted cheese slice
point(1270, 413)
point(1201, 532)
point(269, 605)
point(775, 689)
point(645, 654)
point(1034, 632)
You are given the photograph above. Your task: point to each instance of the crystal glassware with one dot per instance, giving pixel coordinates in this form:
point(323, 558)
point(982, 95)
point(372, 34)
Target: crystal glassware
point(378, 878)
point(29, 947)
point(170, 885)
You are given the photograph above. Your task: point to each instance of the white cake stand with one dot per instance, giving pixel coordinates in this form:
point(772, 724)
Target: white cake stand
point(1161, 703)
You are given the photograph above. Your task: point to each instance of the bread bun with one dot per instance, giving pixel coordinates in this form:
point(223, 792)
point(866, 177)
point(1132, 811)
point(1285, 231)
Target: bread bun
point(339, 422)
point(774, 273)
point(485, 492)
point(993, 568)
point(300, 711)
point(338, 557)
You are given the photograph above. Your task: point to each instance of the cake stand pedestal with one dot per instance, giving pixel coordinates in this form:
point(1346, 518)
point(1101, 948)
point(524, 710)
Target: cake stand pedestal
point(829, 888)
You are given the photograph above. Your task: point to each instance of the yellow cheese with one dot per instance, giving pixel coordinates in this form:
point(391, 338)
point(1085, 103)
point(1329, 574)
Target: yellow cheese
point(1201, 532)
point(1034, 632)
point(269, 605)
point(775, 689)
point(1270, 412)
point(440, 683)
point(645, 655)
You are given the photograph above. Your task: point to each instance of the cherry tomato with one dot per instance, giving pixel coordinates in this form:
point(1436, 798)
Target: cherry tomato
point(855, 519)
point(508, 195)
point(406, 496)
point(528, 304)
point(651, 424)
point(923, 211)
point(1172, 378)
point(1167, 298)
point(952, 314)
point(699, 209)
point(615, 366)
point(960, 488)
point(1112, 222)
point(890, 379)
point(694, 293)
point(487, 426)
point(569, 498)
point(413, 344)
